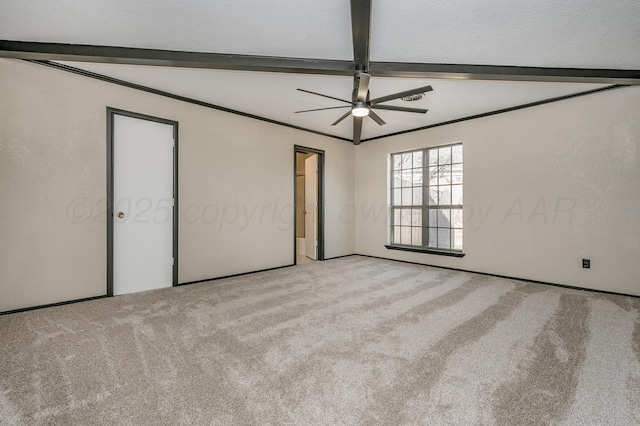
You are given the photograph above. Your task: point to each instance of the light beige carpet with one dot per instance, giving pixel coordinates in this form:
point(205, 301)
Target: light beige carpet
point(347, 341)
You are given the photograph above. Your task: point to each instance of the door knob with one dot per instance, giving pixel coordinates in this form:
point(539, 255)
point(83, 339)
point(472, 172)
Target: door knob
point(120, 215)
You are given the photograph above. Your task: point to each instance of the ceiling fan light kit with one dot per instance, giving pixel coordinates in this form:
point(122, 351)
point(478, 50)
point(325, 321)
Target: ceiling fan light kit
point(360, 110)
point(361, 105)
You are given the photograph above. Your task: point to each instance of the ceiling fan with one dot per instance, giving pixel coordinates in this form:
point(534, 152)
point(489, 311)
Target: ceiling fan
point(360, 104)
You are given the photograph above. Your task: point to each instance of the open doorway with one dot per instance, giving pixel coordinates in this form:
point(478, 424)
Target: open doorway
point(309, 211)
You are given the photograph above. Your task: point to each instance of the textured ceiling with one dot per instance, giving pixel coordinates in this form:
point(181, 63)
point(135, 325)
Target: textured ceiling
point(536, 33)
point(291, 28)
point(543, 33)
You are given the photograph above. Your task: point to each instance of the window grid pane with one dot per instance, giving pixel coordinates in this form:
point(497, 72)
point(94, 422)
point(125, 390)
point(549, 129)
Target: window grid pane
point(397, 179)
point(396, 235)
point(407, 226)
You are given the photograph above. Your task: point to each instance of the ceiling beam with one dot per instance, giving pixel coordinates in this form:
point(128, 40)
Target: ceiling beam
point(135, 56)
point(169, 58)
point(508, 73)
point(361, 31)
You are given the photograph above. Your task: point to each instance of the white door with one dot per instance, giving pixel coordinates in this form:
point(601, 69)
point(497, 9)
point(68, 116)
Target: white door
point(311, 206)
point(143, 205)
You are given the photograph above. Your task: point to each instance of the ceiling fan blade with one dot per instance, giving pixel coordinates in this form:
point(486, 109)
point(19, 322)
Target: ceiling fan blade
point(363, 87)
point(324, 96)
point(348, 113)
point(375, 117)
point(357, 130)
point(401, 94)
point(321, 109)
point(399, 108)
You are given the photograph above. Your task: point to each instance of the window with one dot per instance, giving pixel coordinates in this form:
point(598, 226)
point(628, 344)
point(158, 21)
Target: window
point(426, 199)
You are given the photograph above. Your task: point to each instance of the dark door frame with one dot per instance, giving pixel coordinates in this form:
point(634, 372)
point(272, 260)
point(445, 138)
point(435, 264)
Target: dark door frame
point(321, 191)
point(111, 113)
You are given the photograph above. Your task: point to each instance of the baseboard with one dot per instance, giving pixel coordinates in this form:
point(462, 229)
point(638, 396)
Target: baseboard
point(340, 257)
point(504, 276)
point(234, 275)
point(50, 305)
point(255, 272)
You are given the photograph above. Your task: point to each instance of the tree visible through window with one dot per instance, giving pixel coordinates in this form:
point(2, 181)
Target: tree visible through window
point(426, 198)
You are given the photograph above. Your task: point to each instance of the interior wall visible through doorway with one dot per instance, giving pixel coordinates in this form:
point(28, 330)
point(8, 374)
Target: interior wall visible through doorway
point(300, 157)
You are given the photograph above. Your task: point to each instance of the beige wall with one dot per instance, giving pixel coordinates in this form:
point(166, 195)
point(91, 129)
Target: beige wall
point(544, 188)
point(235, 181)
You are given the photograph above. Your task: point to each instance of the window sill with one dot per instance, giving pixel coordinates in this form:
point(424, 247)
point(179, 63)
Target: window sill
point(427, 251)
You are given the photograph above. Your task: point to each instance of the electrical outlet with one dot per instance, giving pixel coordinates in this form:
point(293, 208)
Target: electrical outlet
point(586, 263)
